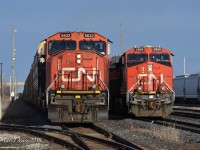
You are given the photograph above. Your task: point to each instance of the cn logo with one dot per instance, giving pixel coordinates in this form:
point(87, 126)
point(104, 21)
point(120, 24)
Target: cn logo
point(80, 71)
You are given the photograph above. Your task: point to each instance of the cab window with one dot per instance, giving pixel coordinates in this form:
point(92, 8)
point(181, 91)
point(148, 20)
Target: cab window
point(161, 58)
point(137, 57)
point(56, 46)
point(99, 46)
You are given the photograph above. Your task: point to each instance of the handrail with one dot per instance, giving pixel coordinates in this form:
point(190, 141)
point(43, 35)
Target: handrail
point(127, 93)
point(47, 90)
point(170, 90)
point(107, 90)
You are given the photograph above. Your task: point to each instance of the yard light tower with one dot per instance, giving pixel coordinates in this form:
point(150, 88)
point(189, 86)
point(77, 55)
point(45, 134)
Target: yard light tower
point(1, 92)
point(184, 66)
point(121, 38)
point(12, 92)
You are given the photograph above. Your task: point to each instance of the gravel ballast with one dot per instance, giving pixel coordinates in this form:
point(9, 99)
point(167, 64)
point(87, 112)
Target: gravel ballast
point(152, 136)
point(148, 135)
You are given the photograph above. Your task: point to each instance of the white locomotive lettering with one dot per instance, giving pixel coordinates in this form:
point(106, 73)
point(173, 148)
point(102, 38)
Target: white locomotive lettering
point(89, 35)
point(65, 35)
point(79, 71)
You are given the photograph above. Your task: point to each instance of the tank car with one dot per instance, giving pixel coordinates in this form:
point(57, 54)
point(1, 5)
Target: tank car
point(69, 77)
point(187, 88)
point(141, 82)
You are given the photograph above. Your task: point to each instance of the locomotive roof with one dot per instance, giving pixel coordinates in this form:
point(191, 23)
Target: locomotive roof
point(78, 32)
point(155, 49)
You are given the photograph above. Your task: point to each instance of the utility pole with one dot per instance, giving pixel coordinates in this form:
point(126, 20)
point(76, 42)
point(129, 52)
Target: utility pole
point(1, 93)
point(12, 94)
point(184, 66)
point(121, 37)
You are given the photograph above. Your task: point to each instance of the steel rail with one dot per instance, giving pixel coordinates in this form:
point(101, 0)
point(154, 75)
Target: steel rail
point(76, 138)
point(40, 134)
point(117, 138)
point(177, 124)
point(117, 142)
point(186, 114)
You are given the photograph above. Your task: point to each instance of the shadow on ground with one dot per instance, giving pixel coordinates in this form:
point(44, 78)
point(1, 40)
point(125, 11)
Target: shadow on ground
point(19, 112)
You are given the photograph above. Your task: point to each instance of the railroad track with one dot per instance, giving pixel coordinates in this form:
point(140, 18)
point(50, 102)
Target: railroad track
point(190, 112)
point(76, 138)
point(186, 113)
point(187, 108)
point(176, 124)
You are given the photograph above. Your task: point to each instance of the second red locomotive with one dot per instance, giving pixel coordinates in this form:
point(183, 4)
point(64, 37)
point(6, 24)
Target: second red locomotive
point(141, 82)
point(69, 77)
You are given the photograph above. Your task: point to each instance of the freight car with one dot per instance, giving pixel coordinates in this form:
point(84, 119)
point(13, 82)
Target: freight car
point(69, 77)
point(141, 82)
point(187, 88)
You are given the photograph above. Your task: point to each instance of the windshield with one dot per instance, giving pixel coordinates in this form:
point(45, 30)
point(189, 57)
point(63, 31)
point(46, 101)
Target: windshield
point(99, 46)
point(159, 57)
point(137, 57)
point(55, 46)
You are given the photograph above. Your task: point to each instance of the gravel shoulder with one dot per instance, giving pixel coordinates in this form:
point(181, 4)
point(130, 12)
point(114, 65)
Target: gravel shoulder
point(152, 136)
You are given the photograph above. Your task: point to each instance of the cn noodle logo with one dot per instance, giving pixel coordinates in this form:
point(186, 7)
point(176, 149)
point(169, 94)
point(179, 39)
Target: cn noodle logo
point(80, 71)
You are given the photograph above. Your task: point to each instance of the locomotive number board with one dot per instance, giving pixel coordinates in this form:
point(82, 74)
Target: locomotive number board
point(65, 35)
point(140, 49)
point(89, 35)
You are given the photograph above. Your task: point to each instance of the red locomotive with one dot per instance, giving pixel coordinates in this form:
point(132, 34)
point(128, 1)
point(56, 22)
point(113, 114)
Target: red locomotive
point(141, 82)
point(69, 77)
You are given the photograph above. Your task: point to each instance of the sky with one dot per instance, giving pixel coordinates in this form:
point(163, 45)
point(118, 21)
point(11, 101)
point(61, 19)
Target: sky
point(172, 24)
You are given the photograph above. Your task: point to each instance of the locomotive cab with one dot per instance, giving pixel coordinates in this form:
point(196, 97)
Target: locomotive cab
point(151, 92)
point(146, 82)
point(69, 77)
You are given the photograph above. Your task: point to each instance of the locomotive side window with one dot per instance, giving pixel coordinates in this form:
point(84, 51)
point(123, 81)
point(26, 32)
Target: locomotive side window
point(99, 46)
point(56, 46)
point(137, 57)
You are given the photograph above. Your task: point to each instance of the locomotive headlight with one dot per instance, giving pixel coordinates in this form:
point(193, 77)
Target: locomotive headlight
point(78, 56)
point(42, 60)
point(94, 86)
point(78, 61)
point(62, 86)
point(140, 89)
